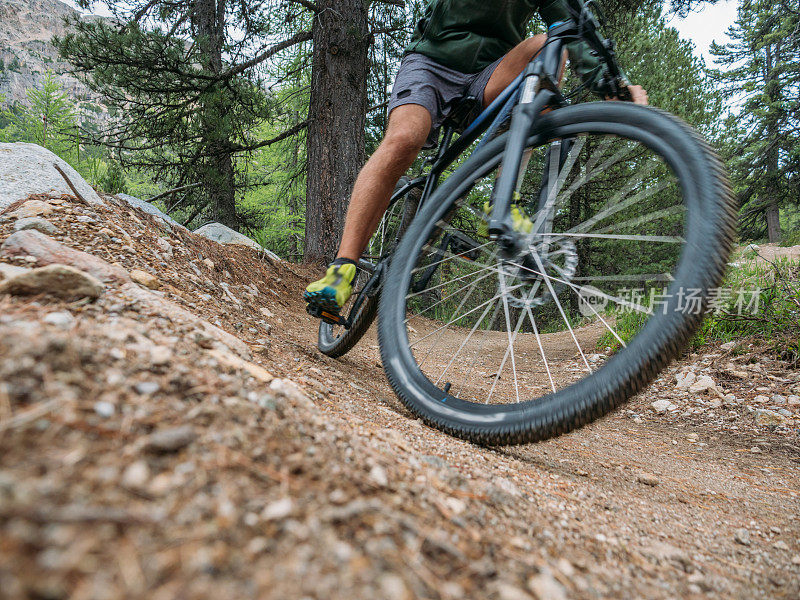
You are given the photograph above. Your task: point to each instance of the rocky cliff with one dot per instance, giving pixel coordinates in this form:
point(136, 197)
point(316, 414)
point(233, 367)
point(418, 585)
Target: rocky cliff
point(26, 54)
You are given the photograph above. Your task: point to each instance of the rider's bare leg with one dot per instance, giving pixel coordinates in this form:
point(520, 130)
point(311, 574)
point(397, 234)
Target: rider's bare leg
point(512, 65)
point(409, 126)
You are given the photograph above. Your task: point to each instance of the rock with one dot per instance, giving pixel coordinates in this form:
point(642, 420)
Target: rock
point(728, 346)
point(57, 280)
point(47, 251)
point(648, 479)
point(160, 355)
point(209, 263)
point(715, 403)
point(136, 475)
point(507, 591)
point(778, 399)
point(755, 450)
point(59, 319)
point(545, 587)
point(761, 399)
point(279, 509)
point(392, 587)
point(165, 247)
point(145, 279)
point(37, 223)
point(170, 440)
point(793, 400)
point(27, 169)
point(784, 412)
point(703, 384)
point(217, 232)
point(7, 271)
point(742, 536)
point(662, 406)
point(146, 388)
point(769, 417)
point(796, 559)
point(149, 209)
point(31, 209)
point(104, 409)
point(780, 545)
point(684, 380)
point(378, 475)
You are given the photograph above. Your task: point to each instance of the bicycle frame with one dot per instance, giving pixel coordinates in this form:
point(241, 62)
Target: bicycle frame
point(533, 91)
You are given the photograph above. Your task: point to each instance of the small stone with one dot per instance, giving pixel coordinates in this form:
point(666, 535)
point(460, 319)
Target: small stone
point(703, 384)
point(392, 587)
point(728, 346)
point(85, 219)
point(692, 437)
point(685, 380)
point(769, 417)
point(508, 591)
point(170, 440)
point(146, 388)
point(57, 280)
point(545, 587)
point(780, 545)
point(755, 450)
point(266, 312)
point(208, 262)
point(778, 399)
point(761, 399)
point(145, 279)
point(793, 400)
point(165, 247)
point(648, 479)
point(742, 536)
point(378, 475)
point(136, 475)
point(160, 355)
point(32, 208)
point(257, 545)
point(715, 403)
point(662, 406)
point(37, 223)
point(104, 409)
point(796, 559)
point(784, 412)
point(279, 509)
point(59, 319)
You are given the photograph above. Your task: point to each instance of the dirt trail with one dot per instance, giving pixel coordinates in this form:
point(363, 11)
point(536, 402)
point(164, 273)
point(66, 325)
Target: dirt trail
point(141, 456)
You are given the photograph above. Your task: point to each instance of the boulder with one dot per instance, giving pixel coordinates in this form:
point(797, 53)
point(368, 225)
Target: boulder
point(48, 251)
point(56, 280)
point(37, 223)
point(150, 209)
point(27, 169)
point(217, 232)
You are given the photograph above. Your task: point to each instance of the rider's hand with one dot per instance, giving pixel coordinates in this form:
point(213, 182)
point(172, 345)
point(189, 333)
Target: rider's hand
point(638, 95)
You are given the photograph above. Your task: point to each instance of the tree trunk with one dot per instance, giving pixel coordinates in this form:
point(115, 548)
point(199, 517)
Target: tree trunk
point(337, 115)
point(216, 170)
point(773, 166)
point(773, 223)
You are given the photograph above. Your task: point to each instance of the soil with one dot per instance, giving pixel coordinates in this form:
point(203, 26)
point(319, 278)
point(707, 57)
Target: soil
point(141, 456)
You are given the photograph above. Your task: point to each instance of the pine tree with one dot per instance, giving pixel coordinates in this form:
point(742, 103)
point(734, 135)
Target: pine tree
point(761, 76)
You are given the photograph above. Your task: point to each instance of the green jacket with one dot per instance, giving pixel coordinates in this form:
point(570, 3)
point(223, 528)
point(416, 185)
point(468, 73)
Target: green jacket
point(468, 35)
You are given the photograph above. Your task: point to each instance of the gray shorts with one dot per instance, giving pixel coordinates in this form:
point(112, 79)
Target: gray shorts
point(422, 80)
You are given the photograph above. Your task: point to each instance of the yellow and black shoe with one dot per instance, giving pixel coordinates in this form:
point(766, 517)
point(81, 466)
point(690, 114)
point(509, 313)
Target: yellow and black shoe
point(329, 294)
point(521, 222)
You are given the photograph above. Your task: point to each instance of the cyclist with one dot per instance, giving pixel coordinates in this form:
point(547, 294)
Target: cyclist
point(459, 48)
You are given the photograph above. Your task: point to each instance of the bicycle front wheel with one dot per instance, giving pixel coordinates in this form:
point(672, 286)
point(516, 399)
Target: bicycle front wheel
point(633, 225)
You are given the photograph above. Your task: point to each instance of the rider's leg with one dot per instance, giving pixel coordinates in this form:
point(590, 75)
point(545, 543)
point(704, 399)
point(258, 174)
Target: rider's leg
point(409, 126)
point(512, 65)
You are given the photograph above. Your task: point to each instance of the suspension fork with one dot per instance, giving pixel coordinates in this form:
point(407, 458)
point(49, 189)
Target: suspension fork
point(533, 100)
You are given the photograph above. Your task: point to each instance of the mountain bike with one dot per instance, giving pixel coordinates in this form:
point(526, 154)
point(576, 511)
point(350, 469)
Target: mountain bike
point(504, 335)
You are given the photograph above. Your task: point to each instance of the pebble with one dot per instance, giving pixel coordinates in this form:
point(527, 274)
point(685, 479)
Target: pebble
point(508, 591)
point(37, 223)
point(136, 475)
point(648, 479)
point(769, 417)
point(755, 450)
point(545, 587)
point(146, 388)
point(761, 399)
point(728, 346)
point(59, 319)
point(778, 399)
point(693, 437)
point(742, 536)
point(85, 219)
point(104, 409)
point(780, 545)
point(392, 587)
point(796, 559)
point(208, 262)
point(378, 475)
point(685, 380)
point(32, 208)
point(662, 406)
point(170, 440)
point(145, 279)
point(793, 400)
point(703, 384)
point(279, 509)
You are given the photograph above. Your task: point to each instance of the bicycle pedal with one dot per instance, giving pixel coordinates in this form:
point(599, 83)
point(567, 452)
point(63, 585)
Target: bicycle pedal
point(327, 316)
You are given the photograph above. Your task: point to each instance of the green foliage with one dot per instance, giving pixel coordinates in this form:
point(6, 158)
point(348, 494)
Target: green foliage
point(48, 118)
point(760, 75)
point(114, 181)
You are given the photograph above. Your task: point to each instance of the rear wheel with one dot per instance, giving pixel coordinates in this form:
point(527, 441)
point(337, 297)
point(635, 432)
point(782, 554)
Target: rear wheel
point(336, 340)
point(503, 347)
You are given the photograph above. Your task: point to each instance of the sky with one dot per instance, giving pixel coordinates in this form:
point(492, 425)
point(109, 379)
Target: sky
point(710, 24)
point(701, 27)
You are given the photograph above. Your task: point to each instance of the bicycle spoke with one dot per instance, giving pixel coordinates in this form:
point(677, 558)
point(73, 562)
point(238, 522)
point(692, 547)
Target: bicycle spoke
point(541, 348)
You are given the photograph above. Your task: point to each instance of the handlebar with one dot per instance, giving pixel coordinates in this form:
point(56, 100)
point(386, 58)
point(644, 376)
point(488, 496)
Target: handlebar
point(589, 30)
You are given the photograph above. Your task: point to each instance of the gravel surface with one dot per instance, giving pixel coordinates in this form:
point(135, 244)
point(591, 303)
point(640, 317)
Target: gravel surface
point(186, 440)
